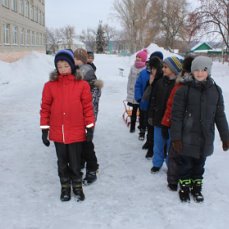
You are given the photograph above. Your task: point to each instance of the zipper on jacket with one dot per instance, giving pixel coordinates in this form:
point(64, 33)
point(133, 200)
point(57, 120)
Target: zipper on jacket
point(63, 133)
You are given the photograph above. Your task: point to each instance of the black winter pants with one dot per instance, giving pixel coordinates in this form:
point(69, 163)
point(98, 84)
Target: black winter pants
point(134, 113)
point(143, 119)
point(172, 172)
point(190, 168)
point(68, 162)
point(88, 155)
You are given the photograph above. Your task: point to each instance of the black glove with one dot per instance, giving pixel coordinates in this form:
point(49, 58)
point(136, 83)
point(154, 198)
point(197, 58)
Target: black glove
point(45, 137)
point(89, 134)
point(225, 145)
point(165, 132)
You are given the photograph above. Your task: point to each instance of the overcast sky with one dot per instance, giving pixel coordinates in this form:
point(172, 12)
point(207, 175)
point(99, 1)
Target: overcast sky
point(81, 14)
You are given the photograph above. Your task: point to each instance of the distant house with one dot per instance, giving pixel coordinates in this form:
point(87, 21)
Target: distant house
point(22, 28)
point(201, 48)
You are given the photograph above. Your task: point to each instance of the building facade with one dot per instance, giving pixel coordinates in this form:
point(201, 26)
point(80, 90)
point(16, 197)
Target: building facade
point(22, 28)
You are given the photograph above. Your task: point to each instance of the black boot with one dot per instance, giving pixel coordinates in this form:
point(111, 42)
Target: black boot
point(196, 190)
point(78, 191)
point(146, 145)
point(90, 177)
point(141, 136)
point(65, 193)
point(184, 190)
point(132, 127)
point(149, 153)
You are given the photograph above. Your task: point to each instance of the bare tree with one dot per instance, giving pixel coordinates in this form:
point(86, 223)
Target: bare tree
point(134, 16)
point(171, 16)
point(214, 18)
point(88, 37)
point(68, 34)
point(53, 39)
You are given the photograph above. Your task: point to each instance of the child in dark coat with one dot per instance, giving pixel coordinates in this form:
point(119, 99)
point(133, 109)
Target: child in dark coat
point(197, 107)
point(171, 68)
point(66, 115)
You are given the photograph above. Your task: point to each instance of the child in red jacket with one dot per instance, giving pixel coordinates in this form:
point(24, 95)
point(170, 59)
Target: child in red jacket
point(67, 118)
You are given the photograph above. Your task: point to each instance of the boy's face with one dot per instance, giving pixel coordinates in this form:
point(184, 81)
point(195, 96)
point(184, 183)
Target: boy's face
point(90, 59)
point(200, 75)
point(63, 67)
point(167, 71)
point(78, 62)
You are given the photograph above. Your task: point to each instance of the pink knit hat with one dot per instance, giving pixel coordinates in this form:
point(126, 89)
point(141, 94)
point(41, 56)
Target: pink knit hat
point(142, 54)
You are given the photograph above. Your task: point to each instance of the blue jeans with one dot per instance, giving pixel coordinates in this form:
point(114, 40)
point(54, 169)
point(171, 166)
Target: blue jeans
point(158, 149)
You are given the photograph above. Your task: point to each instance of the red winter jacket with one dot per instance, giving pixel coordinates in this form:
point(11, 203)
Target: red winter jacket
point(66, 109)
point(166, 120)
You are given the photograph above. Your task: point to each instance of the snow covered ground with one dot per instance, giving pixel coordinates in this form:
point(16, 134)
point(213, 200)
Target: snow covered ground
point(126, 195)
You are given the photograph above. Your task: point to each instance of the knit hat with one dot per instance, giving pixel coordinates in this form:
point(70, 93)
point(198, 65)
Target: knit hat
point(157, 54)
point(174, 64)
point(90, 54)
point(81, 54)
point(155, 62)
point(202, 63)
point(143, 55)
point(65, 55)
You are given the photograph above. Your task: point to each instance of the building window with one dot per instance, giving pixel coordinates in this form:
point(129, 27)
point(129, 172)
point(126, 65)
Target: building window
point(39, 17)
point(27, 37)
point(14, 5)
point(6, 33)
point(6, 3)
point(35, 14)
point(15, 35)
point(22, 7)
point(33, 38)
point(26, 9)
point(31, 12)
point(22, 37)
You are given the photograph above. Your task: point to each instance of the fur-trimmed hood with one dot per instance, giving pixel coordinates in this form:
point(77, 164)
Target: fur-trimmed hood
point(99, 84)
point(53, 76)
point(184, 78)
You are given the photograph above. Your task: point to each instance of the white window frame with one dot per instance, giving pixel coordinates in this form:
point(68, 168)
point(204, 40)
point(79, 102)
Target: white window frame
point(6, 34)
point(15, 35)
point(6, 3)
point(22, 37)
point(22, 7)
point(14, 5)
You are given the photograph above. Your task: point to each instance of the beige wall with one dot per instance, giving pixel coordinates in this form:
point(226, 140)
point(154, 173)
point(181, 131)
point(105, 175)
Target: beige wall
point(18, 44)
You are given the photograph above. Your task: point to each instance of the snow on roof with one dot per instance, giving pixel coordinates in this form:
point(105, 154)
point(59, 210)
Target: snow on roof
point(199, 44)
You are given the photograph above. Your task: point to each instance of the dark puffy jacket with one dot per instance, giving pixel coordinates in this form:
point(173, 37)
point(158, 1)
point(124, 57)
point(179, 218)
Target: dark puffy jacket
point(197, 107)
point(159, 99)
point(88, 74)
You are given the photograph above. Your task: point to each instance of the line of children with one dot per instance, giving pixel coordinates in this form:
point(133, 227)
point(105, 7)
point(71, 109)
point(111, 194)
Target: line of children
point(66, 113)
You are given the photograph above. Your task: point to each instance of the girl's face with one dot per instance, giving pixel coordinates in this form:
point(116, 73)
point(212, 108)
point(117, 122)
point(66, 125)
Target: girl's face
point(63, 67)
point(167, 71)
point(200, 75)
point(138, 58)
